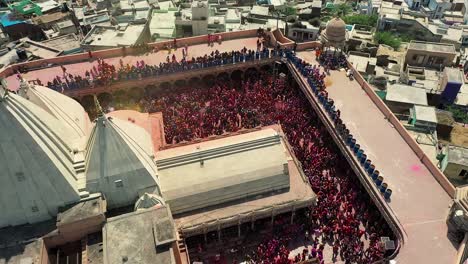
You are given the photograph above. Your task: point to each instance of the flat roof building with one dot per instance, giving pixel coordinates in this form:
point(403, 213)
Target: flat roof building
point(455, 164)
point(105, 37)
point(223, 170)
point(259, 178)
point(400, 98)
point(145, 236)
point(429, 54)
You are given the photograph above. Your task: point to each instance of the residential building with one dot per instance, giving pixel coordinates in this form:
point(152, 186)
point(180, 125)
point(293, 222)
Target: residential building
point(302, 31)
point(162, 25)
point(66, 27)
point(68, 44)
point(105, 37)
point(423, 118)
point(414, 4)
point(451, 83)
point(436, 8)
point(17, 28)
point(394, 19)
point(193, 21)
point(455, 164)
point(430, 54)
point(401, 98)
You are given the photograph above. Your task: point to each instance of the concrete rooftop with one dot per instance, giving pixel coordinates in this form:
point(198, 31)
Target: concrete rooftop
point(418, 200)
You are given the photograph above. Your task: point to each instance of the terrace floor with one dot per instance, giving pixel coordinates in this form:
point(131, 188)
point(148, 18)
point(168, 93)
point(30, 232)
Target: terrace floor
point(79, 68)
point(418, 200)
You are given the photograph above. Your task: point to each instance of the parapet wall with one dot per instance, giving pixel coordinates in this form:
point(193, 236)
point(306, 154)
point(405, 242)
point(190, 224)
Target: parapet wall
point(276, 37)
point(119, 52)
point(438, 175)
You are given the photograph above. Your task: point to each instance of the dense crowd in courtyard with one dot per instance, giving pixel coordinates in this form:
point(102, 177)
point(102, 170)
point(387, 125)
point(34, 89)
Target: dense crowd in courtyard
point(343, 218)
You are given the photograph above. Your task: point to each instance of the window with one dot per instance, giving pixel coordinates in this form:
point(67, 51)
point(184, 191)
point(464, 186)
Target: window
point(20, 176)
point(463, 174)
point(430, 61)
point(118, 183)
point(311, 35)
point(34, 209)
point(294, 34)
point(420, 59)
point(439, 60)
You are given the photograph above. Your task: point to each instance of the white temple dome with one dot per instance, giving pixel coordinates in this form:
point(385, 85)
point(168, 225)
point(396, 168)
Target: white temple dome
point(36, 160)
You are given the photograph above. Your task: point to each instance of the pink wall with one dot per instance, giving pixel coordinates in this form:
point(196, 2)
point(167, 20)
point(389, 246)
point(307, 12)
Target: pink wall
point(438, 175)
point(308, 45)
point(118, 52)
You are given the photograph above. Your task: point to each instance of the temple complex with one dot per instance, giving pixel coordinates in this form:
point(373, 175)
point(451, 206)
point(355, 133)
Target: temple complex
point(244, 150)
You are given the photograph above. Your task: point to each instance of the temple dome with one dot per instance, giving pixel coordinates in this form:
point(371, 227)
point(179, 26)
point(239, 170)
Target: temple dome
point(68, 111)
point(335, 32)
point(36, 160)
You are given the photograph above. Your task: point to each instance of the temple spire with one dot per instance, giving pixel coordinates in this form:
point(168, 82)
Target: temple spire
point(99, 110)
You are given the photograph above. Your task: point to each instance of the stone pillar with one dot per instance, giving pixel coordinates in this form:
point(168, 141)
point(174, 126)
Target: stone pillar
point(219, 233)
point(239, 230)
point(204, 236)
point(253, 224)
point(292, 215)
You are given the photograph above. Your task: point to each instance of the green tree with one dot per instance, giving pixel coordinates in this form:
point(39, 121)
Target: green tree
point(459, 114)
point(289, 11)
point(361, 20)
point(291, 19)
point(342, 10)
point(315, 22)
point(387, 38)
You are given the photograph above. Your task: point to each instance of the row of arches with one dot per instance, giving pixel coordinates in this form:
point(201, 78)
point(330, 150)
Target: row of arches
point(129, 97)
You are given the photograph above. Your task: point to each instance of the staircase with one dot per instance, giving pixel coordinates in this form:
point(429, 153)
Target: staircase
point(184, 256)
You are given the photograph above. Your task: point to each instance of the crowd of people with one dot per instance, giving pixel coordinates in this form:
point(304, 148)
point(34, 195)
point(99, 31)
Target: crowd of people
point(105, 74)
point(331, 60)
point(343, 219)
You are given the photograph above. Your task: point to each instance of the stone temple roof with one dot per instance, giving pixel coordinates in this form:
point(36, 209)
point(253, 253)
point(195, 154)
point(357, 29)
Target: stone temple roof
point(335, 32)
point(64, 108)
point(223, 170)
point(120, 162)
point(36, 163)
point(148, 200)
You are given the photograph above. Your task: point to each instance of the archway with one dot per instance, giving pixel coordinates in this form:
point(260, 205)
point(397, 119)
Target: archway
point(180, 84)
point(120, 98)
point(88, 104)
point(266, 68)
point(209, 80)
point(165, 86)
point(194, 82)
point(223, 77)
point(105, 99)
point(250, 73)
point(236, 75)
point(152, 90)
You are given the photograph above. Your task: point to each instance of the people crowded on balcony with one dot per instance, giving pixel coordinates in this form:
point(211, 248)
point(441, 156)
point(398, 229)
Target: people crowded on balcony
point(106, 74)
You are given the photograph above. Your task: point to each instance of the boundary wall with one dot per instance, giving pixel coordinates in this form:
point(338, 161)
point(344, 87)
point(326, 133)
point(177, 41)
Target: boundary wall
point(435, 171)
